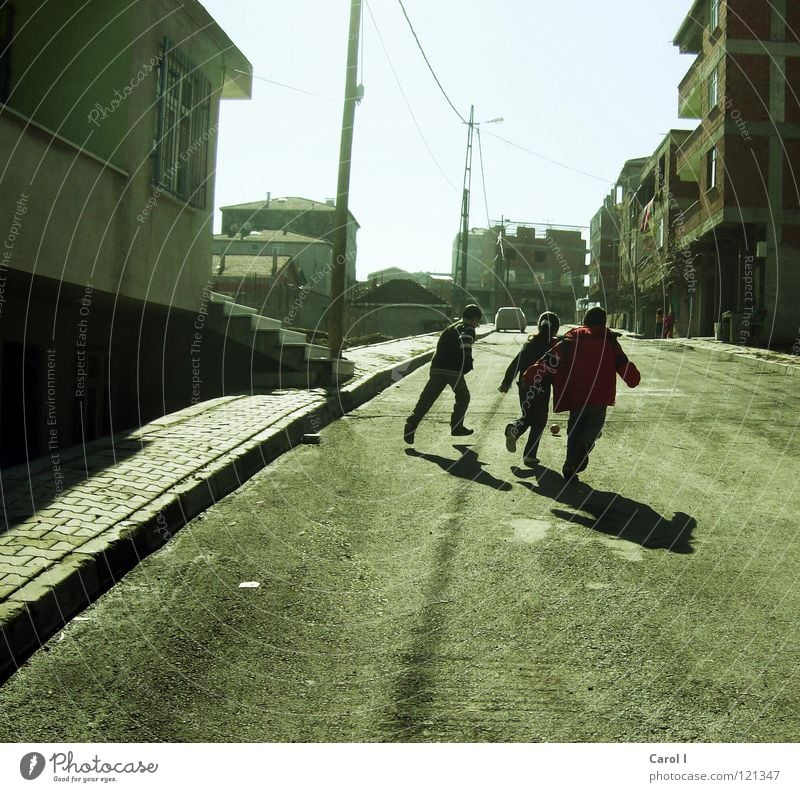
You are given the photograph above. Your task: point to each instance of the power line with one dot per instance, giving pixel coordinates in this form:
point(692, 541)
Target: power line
point(416, 38)
point(405, 99)
point(283, 85)
point(551, 160)
point(464, 121)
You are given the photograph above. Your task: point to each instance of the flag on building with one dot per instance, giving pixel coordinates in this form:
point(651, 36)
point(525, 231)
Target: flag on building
point(648, 211)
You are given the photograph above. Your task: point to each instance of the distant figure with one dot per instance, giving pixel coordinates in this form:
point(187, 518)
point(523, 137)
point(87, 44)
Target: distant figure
point(584, 365)
point(659, 323)
point(669, 323)
point(534, 405)
point(451, 361)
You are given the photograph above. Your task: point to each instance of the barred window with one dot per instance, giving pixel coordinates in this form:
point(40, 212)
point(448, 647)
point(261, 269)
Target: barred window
point(714, 15)
point(6, 37)
point(711, 168)
point(184, 113)
point(713, 88)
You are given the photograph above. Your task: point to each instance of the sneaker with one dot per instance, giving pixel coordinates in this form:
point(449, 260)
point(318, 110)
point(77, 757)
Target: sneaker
point(408, 432)
point(461, 431)
point(569, 473)
point(511, 438)
point(530, 461)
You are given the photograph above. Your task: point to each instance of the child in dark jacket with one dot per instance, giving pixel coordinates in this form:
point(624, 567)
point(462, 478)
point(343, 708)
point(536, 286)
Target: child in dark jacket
point(533, 403)
point(584, 366)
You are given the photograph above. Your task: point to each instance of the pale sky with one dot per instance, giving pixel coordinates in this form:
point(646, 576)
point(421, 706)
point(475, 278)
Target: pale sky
point(589, 84)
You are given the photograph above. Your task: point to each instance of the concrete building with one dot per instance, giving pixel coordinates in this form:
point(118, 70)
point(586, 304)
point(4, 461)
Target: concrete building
point(108, 130)
point(653, 271)
point(604, 239)
point(293, 215)
point(742, 234)
point(532, 266)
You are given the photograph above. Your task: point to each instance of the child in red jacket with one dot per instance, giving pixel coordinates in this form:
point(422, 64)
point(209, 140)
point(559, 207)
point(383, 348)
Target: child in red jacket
point(669, 323)
point(584, 367)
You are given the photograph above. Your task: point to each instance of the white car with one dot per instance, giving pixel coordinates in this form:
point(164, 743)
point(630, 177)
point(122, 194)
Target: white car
point(510, 319)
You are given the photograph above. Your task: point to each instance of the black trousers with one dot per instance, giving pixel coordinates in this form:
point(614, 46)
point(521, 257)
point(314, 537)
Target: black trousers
point(534, 406)
point(438, 380)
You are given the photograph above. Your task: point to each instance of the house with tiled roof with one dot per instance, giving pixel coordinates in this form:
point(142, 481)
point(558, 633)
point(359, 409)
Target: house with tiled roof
point(235, 266)
point(257, 281)
point(313, 257)
point(295, 215)
point(400, 291)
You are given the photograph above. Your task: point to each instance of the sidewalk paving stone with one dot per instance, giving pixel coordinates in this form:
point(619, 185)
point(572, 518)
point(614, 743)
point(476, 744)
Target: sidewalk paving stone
point(124, 496)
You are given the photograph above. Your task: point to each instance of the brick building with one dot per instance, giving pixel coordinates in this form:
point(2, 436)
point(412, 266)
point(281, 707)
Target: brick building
point(709, 224)
point(742, 234)
point(653, 272)
point(535, 267)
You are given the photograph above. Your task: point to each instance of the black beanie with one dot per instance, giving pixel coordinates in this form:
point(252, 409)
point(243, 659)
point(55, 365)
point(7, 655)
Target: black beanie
point(595, 317)
point(471, 311)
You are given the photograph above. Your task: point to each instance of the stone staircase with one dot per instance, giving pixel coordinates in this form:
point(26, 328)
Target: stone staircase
point(280, 358)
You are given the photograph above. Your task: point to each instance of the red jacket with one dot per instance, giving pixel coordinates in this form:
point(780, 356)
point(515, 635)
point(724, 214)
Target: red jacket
point(584, 368)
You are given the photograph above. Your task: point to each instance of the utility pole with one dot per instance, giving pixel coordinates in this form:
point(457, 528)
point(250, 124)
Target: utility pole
point(341, 225)
point(506, 261)
point(464, 247)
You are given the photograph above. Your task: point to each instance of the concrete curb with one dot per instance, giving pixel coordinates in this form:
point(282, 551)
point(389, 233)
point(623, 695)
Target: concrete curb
point(753, 357)
point(40, 608)
point(748, 356)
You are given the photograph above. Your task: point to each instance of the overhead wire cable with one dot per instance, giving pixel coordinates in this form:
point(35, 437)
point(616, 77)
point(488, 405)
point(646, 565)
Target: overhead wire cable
point(430, 68)
point(551, 160)
point(284, 85)
point(408, 105)
point(504, 140)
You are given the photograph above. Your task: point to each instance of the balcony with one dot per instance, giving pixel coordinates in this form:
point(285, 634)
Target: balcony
point(652, 273)
point(689, 37)
point(689, 155)
point(687, 221)
point(690, 91)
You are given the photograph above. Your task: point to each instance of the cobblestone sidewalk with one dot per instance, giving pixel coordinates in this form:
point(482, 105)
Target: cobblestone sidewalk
point(73, 524)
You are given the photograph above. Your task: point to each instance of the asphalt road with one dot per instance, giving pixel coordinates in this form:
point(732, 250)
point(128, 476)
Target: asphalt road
point(441, 593)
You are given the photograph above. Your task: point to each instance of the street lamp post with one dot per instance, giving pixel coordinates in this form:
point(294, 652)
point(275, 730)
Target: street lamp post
point(464, 247)
point(464, 241)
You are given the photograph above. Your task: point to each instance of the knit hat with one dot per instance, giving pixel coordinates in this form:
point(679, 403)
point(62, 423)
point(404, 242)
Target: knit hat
point(472, 311)
point(550, 320)
point(595, 317)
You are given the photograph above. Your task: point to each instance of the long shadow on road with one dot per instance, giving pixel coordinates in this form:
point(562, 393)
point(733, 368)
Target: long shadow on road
point(612, 513)
point(409, 716)
point(467, 466)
